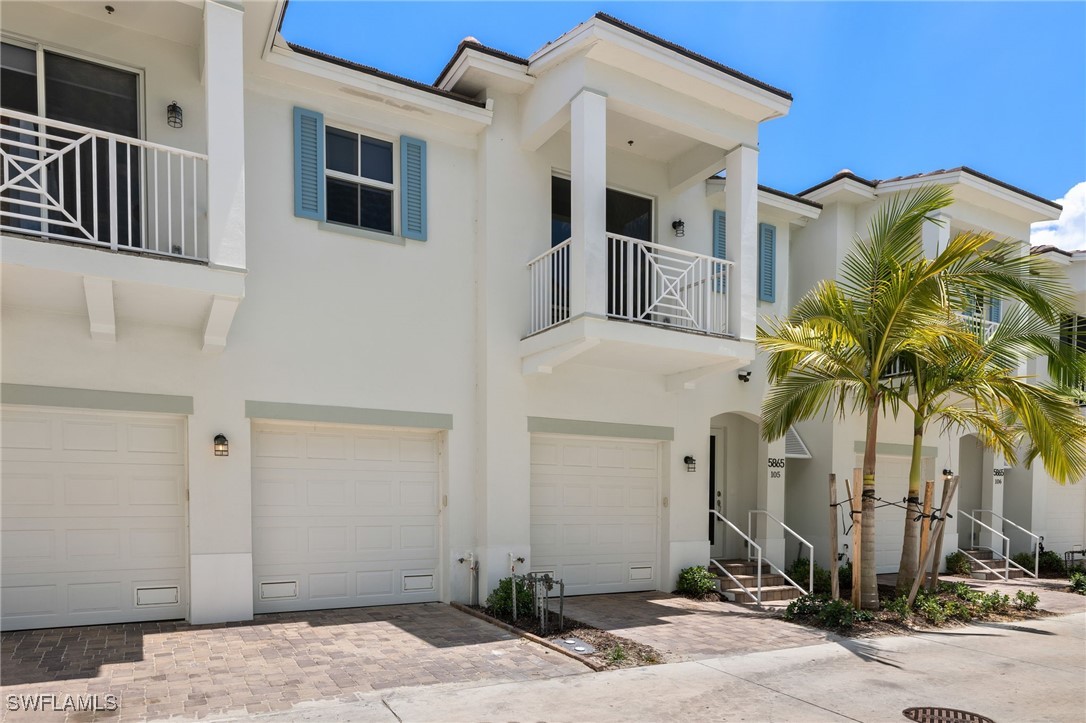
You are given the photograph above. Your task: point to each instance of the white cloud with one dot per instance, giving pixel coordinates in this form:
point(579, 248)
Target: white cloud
point(1069, 233)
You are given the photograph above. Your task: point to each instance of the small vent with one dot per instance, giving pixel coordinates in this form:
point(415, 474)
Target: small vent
point(146, 596)
point(640, 573)
point(794, 447)
point(279, 590)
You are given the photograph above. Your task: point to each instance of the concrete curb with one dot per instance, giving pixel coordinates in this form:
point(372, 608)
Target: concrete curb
point(528, 636)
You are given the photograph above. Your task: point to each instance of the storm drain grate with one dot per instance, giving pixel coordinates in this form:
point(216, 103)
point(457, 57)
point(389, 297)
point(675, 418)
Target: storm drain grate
point(943, 715)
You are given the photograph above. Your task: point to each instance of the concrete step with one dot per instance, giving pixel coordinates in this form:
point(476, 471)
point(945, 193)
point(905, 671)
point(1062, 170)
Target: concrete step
point(749, 581)
point(770, 594)
point(740, 567)
point(1013, 573)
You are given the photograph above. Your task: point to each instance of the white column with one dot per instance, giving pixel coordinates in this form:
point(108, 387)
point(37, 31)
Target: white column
point(741, 206)
point(223, 84)
point(588, 167)
point(935, 236)
point(771, 476)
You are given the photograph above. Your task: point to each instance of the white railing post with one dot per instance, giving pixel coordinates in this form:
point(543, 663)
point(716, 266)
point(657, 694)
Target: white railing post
point(112, 170)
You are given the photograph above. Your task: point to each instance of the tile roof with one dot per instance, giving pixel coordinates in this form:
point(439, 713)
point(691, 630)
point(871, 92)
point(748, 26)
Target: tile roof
point(685, 52)
point(368, 70)
point(467, 44)
point(983, 177)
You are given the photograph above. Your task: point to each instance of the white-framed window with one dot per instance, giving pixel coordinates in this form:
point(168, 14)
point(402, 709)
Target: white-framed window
point(360, 180)
point(357, 179)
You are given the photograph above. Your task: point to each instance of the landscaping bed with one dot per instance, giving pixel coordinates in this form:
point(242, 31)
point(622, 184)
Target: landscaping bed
point(611, 651)
point(954, 604)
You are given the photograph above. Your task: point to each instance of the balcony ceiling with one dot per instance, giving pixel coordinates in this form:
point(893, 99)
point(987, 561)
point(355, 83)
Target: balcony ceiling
point(177, 21)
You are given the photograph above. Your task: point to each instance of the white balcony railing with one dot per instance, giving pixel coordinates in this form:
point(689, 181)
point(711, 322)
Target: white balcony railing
point(646, 283)
point(548, 276)
point(71, 183)
point(979, 326)
point(666, 286)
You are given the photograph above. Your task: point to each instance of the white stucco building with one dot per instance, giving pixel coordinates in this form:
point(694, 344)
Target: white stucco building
point(435, 325)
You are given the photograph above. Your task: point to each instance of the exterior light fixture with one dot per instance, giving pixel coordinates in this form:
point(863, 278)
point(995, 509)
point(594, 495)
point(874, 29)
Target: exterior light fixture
point(744, 376)
point(174, 115)
point(691, 463)
point(222, 446)
point(947, 474)
point(680, 228)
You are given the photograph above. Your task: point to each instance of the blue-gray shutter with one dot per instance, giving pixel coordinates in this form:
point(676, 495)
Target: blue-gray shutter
point(767, 262)
point(413, 188)
point(720, 243)
point(308, 164)
point(995, 309)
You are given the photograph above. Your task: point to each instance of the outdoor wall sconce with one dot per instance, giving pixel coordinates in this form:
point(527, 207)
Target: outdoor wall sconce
point(174, 115)
point(679, 227)
point(744, 376)
point(691, 463)
point(222, 446)
point(947, 474)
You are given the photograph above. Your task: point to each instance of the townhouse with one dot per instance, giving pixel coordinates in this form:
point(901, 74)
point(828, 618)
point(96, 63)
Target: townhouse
point(285, 332)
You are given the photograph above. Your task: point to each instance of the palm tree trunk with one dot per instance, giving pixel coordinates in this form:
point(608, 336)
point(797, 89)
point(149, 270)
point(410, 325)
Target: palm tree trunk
point(910, 545)
point(869, 584)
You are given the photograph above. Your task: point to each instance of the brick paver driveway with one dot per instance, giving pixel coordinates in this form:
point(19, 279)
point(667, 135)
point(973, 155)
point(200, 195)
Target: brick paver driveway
point(269, 664)
point(684, 629)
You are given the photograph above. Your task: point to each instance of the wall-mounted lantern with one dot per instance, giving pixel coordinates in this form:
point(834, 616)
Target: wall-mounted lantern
point(744, 376)
point(174, 115)
point(222, 446)
point(947, 474)
point(691, 463)
point(679, 228)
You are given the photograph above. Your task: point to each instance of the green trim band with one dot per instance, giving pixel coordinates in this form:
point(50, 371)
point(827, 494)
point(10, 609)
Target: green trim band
point(898, 450)
point(549, 425)
point(94, 399)
point(346, 415)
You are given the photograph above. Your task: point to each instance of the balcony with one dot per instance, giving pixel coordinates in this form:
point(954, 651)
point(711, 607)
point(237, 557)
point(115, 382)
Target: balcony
point(71, 183)
point(84, 191)
point(667, 312)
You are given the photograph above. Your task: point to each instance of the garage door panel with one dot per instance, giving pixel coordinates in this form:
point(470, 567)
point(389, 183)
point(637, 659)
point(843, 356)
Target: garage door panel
point(594, 513)
point(343, 517)
point(68, 545)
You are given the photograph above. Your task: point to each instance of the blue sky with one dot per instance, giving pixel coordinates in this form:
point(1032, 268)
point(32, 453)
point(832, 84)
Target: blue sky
point(884, 89)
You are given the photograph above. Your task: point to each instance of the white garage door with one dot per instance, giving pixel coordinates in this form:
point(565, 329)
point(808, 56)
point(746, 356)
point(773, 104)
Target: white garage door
point(343, 516)
point(594, 513)
point(892, 485)
point(93, 518)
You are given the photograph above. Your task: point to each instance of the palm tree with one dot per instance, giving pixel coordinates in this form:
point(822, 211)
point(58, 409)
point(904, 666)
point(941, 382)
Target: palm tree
point(835, 349)
point(980, 390)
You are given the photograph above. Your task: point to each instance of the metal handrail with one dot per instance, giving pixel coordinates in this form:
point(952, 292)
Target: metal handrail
point(551, 250)
point(757, 595)
point(810, 548)
point(18, 115)
point(997, 533)
point(670, 249)
point(1036, 547)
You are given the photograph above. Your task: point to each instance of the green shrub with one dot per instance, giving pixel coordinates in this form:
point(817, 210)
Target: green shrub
point(800, 571)
point(1028, 600)
point(994, 603)
point(826, 613)
point(900, 607)
point(1025, 559)
point(500, 601)
point(1050, 564)
point(931, 609)
point(844, 576)
point(958, 564)
point(805, 606)
point(1078, 582)
point(617, 655)
point(960, 590)
point(696, 581)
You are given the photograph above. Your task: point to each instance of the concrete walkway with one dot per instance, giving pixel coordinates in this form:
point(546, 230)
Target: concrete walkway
point(1009, 672)
point(682, 629)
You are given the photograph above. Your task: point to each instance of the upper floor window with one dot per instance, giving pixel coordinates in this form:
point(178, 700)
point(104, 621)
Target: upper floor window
point(71, 90)
point(359, 176)
point(351, 179)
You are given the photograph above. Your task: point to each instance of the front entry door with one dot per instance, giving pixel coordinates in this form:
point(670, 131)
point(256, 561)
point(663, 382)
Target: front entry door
point(716, 502)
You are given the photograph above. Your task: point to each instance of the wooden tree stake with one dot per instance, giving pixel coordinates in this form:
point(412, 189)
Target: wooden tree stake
point(857, 529)
point(925, 526)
